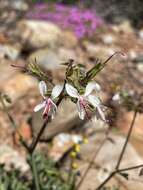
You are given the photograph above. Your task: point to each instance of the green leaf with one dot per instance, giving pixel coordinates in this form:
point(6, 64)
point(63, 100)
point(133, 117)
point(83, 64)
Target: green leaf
point(36, 71)
point(93, 72)
point(98, 67)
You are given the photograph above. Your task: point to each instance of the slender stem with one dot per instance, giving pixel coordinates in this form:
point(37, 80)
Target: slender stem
point(118, 52)
point(130, 168)
point(20, 67)
point(36, 140)
point(106, 180)
point(103, 64)
point(34, 169)
point(127, 140)
point(116, 172)
point(91, 163)
point(121, 155)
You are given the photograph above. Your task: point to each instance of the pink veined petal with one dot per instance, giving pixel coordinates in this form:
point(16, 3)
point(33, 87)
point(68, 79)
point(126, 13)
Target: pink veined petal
point(95, 101)
point(72, 91)
point(90, 87)
point(42, 88)
point(56, 91)
point(47, 109)
point(53, 108)
point(39, 106)
point(52, 112)
point(101, 113)
point(81, 111)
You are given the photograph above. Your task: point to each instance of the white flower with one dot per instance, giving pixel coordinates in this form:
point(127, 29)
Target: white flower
point(116, 97)
point(84, 100)
point(49, 106)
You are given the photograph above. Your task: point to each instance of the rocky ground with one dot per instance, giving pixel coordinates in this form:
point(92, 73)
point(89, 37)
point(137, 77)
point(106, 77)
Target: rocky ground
point(52, 46)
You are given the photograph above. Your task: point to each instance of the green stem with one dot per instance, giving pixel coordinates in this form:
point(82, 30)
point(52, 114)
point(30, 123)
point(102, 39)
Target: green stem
point(34, 170)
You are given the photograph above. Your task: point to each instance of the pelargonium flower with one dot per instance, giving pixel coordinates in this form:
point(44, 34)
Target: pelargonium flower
point(48, 104)
point(87, 99)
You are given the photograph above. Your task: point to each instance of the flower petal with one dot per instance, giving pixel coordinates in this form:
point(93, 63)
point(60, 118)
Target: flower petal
point(54, 107)
point(101, 113)
point(56, 91)
point(116, 97)
point(72, 91)
point(81, 111)
point(90, 87)
point(39, 106)
point(42, 88)
point(53, 110)
point(95, 101)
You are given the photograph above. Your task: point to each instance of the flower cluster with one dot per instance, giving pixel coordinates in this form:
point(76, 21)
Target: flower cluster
point(83, 22)
point(49, 106)
point(83, 101)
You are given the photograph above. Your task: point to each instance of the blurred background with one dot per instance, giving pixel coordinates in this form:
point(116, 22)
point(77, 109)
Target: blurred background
point(52, 32)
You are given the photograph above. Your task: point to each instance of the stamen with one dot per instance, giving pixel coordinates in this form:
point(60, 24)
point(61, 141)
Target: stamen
point(84, 105)
point(47, 108)
point(86, 113)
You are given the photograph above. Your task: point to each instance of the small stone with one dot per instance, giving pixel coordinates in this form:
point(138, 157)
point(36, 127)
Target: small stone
point(140, 67)
point(66, 54)
point(69, 40)
point(19, 5)
point(18, 86)
point(51, 59)
point(108, 39)
point(45, 58)
point(11, 158)
point(38, 34)
point(132, 55)
point(9, 51)
point(125, 27)
point(138, 58)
